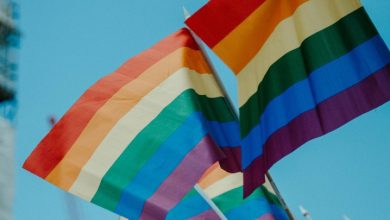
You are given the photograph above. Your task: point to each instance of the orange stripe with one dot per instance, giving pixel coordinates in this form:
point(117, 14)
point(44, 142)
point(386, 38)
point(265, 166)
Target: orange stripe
point(212, 175)
point(122, 102)
point(242, 44)
point(209, 170)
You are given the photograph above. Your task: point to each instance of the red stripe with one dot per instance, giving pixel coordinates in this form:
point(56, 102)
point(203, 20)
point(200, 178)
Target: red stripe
point(326, 117)
point(52, 149)
point(143, 61)
point(218, 18)
point(182, 179)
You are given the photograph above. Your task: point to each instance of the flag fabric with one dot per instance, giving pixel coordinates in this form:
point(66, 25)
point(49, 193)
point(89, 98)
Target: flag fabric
point(140, 138)
point(304, 68)
point(226, 190)
point(193, 206)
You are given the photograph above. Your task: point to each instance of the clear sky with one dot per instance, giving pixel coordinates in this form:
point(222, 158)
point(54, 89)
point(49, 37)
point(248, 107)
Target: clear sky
point(68, 45)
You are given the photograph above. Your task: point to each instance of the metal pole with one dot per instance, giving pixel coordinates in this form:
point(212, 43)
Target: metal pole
point(279, 195)
point(217, 76)
point(210, 202)
point(234, 110)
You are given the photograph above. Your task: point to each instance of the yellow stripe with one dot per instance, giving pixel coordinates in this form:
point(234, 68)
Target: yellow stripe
point(216, 181)
point(66, 172)
point(308, 19)
point(240, 45)
point(134, 121)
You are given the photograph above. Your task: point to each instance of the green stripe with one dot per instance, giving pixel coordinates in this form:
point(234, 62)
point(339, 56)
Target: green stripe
point(272, 198)
point(190, 194)
point(316, 51)
point(233, 198)
point(143, 146)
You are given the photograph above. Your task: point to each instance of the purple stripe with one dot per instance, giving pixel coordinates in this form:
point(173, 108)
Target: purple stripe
point(232, 162)
point(209, 214)
point(326, 117)
point(182, 179)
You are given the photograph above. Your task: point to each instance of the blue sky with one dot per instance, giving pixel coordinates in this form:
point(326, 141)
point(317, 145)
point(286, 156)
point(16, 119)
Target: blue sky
point(68, 45)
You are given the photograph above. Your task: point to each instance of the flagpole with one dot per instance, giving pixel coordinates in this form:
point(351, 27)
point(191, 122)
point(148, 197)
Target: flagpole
point(234, 110)
point(279, 195)
point(217, 76)
point(210, 202)
point(231, 106)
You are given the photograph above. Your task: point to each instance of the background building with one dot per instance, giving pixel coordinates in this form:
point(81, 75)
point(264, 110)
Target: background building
point(9, 40)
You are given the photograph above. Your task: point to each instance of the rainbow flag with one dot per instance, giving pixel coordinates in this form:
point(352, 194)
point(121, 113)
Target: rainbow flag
point(140, 138)
point(226, 190)
point(304, 68)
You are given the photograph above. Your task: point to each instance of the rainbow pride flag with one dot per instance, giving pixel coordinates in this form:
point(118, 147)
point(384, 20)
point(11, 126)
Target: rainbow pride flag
point(226, 190)
point(140, 138)
point(304, 68)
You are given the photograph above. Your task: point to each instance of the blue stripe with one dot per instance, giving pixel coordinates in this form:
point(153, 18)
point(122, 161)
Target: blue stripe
point(189, 207)
point(278, 212)
point(252, 209)
point(322, 84)
point(225, 134)
point(160, 166)
point(167, 158)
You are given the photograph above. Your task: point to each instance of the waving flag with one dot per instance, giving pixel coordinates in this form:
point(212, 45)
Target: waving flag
point(226, 189)
point(140, 138)
point(304, 68)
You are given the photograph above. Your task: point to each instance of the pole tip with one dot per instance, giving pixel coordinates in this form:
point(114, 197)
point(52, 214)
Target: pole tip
point(345, 217)
point(303, 210)
point(186, 13)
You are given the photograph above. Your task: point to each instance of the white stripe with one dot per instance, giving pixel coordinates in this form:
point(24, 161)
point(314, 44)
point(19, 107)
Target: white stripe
point(310, 18)
point(134, 121)
point(228, 183)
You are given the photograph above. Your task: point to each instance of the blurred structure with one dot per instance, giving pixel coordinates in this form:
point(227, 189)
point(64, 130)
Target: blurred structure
point(9, 42)
point(305, 213)
point(346, 217)
point(6, 169)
